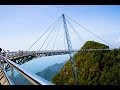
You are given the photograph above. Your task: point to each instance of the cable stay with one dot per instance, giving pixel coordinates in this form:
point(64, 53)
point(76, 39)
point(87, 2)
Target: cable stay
point(76, 33)
point(64, 41)
point(56, 37)
point(42, 34)
point(47, 37)
point(88, 31)
point(57, 26)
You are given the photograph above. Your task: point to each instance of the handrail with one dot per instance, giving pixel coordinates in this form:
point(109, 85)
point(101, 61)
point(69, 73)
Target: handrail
point(34, 79)
point(45, 51)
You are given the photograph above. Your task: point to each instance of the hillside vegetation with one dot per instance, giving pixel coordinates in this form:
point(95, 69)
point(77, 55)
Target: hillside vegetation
point(93, 67)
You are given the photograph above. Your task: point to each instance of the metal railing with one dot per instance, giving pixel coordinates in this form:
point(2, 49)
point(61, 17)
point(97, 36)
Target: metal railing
point(34, 79)
point(24, 53)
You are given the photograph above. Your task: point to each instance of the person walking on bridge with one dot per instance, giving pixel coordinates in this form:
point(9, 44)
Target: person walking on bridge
point(0, 50)
point(4, 53)
point(0, 54)
point(7, 55)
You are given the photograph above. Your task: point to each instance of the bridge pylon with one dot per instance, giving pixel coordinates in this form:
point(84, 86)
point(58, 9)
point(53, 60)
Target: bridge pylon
point(73, 65)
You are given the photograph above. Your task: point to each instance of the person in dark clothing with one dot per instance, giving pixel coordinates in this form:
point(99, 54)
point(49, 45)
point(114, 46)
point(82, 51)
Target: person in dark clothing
point(0, 53)
point(4, 53)
point(0, 50)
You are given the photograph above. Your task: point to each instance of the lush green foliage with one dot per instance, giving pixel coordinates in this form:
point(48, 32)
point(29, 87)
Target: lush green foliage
point(93, 67)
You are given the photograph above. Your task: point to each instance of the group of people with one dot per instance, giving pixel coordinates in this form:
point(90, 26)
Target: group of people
point(4, 52)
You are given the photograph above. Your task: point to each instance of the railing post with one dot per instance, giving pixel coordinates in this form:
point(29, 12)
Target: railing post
point(3, 63)
point(12, 72)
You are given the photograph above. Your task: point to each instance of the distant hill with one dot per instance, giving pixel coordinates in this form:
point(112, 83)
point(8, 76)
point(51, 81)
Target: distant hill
point(47, 74)
point(93, 67)
point(50, 71)
point(20, 80)
point(94, 45)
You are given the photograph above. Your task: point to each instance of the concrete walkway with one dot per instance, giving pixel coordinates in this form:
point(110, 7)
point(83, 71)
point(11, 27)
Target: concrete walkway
point(3, 80)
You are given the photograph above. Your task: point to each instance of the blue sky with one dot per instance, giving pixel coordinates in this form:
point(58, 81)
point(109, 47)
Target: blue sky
point(21, 25)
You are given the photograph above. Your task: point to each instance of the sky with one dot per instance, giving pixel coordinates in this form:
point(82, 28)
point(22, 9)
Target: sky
point(22, 25)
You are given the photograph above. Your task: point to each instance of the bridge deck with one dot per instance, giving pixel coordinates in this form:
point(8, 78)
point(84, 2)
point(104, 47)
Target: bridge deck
point(21, 54)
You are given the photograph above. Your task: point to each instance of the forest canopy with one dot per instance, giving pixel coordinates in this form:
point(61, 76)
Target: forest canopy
point(93, 67)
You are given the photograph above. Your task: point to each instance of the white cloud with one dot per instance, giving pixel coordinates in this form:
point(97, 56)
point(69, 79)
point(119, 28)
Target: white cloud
point(117, 40)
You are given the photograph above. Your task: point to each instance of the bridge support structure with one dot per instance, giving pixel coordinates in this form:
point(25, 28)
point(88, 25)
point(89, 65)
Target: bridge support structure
point(73, 66)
